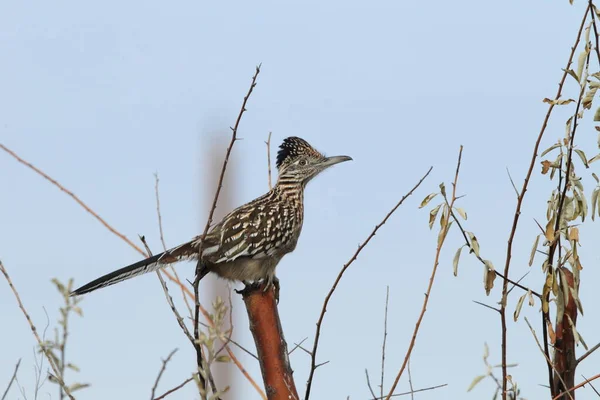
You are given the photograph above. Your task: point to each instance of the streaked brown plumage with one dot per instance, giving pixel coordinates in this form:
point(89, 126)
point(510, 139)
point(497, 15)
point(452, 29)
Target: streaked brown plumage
point(250, 241)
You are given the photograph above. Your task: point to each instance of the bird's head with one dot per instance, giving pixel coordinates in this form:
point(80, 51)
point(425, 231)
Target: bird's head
point(299, 161)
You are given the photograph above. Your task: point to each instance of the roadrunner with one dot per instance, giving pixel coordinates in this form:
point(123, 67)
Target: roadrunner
point(250, 241)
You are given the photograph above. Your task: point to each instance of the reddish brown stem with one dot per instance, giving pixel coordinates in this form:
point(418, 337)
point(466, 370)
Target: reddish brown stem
point(565, 361)
point(270, 343)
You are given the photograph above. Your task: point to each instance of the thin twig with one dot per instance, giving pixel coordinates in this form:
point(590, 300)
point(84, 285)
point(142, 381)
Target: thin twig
point(587, 353)
point(485, 305)
point(199, 266)
point(14, 376)
point(500, 275)
point(162, 370)
point(176, 388)
point(412, 391)
point(339, 277)
point(268, 143)
point(547, 358)
point(415, 391)
point(297, 345)
point(517, 213)
point(512, 182)
point(369, 385)
point(576, 387)
point(175, 279)
point(55, 368)
point(441, 240)
point(385, 318)
point(593, 388)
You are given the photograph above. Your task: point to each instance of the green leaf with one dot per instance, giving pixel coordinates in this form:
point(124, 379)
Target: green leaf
point(73, 367)
point(427, 199)
point(549, 149)
point(519, 306)
point(432, 215)
point(462, 212)
point(534, 250)
point(474, 243)
point(475, 382)
point(455, 260)
point(581, 155)
point(594, 201)
point(223, 358)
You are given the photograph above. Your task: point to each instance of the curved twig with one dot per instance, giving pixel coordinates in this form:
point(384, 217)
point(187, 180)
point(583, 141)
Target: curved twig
point(313, 354)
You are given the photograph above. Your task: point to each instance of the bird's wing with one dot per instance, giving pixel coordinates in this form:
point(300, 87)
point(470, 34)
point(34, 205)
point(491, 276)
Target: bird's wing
point(250, 231)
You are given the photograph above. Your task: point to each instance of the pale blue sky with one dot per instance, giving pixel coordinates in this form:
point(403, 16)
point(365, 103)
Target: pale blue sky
point(103, 95)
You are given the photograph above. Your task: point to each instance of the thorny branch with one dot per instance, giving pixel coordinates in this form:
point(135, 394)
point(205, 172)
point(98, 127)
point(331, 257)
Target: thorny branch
point(313, 354)
point(199, 266)
point(441, 240)
point(517, 213)
point(174, 279)
point(55, 368)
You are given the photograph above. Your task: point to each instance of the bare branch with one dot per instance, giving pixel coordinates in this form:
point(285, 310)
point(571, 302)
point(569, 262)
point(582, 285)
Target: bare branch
point(369, 385)
point(576, 387)
point(441, 240)
point(176, 388)
point(339, 277)
point(517, 214)
point(268, 143)
point(199, 359)
point(385, 318)
point(162, 370)
point(415, 391)
point(587, 353)
point(14, 376)
point(55, 368)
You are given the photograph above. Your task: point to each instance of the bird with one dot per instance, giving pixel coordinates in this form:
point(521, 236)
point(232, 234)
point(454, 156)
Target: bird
point(249, 242)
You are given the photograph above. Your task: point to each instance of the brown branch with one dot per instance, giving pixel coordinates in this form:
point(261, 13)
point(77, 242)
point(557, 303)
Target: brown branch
point(268, 143)
point(55, 369)
point(587, 353)
point(518, 213)
point(564, 348)
point(576, 386)
point(174, 279)
point(339, 277)
point(441, 240)
point(176, 388)
point(271, 346)
point(199, 359)
point(415, 391)
point(12, 379)
point(162, 370)
point(564, 372)
point(542, 350)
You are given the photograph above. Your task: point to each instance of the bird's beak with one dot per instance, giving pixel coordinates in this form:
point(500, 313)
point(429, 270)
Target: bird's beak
point(329, 161)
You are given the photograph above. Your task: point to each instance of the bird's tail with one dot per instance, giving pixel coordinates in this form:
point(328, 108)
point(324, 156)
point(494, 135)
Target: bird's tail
point(150, 264)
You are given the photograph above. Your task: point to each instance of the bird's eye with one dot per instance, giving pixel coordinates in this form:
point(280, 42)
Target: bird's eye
point(302, 162)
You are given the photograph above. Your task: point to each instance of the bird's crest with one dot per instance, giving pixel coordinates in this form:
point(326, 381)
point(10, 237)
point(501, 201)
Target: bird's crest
point(292, 147)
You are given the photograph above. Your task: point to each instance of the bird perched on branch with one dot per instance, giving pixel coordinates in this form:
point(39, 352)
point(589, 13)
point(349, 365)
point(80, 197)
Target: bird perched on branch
point(250, 241)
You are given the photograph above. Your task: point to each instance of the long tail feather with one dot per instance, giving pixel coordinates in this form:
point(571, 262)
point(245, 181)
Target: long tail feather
point(150, 264)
